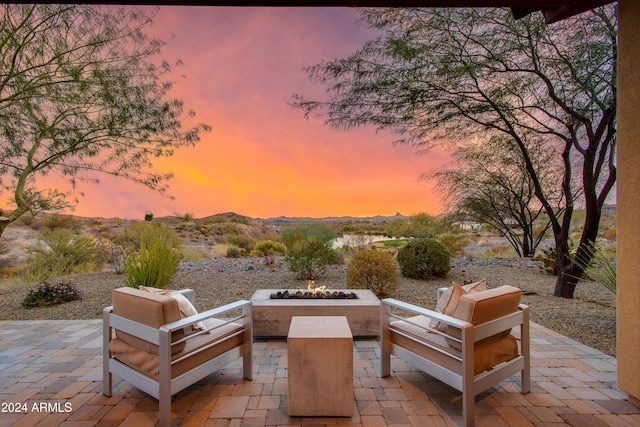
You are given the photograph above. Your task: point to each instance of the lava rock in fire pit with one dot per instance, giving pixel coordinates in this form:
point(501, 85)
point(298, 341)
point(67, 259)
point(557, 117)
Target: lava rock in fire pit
point(314, 295)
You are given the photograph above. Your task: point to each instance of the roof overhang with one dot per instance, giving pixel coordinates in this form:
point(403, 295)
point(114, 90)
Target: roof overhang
point(553, 10)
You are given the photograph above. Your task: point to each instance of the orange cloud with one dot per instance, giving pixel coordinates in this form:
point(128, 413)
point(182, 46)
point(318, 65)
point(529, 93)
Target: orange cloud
point(263, 159)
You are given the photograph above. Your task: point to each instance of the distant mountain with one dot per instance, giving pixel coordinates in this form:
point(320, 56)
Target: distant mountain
point(226, 217)
point(376, 218)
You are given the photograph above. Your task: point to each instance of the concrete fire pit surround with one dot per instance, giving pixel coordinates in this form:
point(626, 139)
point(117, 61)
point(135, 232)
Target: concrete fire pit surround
point(272, 317)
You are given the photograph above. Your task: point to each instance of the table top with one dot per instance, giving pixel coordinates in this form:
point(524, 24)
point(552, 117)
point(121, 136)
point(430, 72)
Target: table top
point(319, 327)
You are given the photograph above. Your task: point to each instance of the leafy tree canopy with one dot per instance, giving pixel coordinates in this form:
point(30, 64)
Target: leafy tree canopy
point(442, 76)
point(83, 90)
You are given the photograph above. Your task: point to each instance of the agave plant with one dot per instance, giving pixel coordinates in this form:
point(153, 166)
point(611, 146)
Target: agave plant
point(602, 268)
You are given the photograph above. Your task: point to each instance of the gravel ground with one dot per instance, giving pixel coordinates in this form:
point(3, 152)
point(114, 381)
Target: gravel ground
point(589, 318)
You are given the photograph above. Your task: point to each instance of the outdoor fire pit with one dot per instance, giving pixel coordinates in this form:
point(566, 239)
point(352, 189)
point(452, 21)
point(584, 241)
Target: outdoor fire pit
point(317, 295)
point(321, 292)
point(272, 310)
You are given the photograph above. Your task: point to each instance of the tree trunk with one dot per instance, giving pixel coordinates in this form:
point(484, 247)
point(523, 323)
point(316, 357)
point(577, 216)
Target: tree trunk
point(566, 283)
point(570, 272)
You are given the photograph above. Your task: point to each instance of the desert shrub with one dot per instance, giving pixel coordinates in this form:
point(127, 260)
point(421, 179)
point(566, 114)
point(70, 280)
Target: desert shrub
point(156, 259)
point(61, 252)
point(424, 259)
point(148, 216)
point(185, 217)
point(121, 244)
point(309, 258)
point(269, 249)
point(549, 260)
point(234, 252)
point(374, 270)
point(52, 294)
point(61, 221)
point(139, 230)
point(241, 241)
point(420, 225)
point(610, 234)
point(309, 249)
point(454, 243)
point(311, 231)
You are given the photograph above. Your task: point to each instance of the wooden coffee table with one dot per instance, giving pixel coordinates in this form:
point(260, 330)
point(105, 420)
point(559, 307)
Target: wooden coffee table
point(320, 366)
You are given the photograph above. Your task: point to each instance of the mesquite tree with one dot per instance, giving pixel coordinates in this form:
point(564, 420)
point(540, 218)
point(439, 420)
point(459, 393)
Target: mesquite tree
point(488, 184)
point(80, 94)
point(437, 76)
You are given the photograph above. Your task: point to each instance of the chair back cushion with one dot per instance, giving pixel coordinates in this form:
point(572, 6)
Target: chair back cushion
point(482, 307)
point(149, 309)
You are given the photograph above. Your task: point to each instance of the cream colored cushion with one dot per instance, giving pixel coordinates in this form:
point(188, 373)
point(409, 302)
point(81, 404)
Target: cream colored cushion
point(413, 334)
point(186, 308)
point(198, 350)
point(448, 302)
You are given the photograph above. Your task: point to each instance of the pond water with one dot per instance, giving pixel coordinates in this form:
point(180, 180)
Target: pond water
point(354, 240)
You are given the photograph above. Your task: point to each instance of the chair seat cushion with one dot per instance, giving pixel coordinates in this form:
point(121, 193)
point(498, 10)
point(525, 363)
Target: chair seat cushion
point(414, 334)
point(149, 363)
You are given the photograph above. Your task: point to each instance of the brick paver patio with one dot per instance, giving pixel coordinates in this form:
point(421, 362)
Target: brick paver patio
point(51, 376)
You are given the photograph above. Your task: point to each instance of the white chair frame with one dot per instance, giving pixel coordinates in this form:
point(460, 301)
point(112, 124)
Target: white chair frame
point(165, 387)
point(459, 372)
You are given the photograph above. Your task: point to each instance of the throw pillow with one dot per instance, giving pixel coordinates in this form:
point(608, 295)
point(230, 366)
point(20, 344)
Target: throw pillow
point(449, 300)
point(184, 305)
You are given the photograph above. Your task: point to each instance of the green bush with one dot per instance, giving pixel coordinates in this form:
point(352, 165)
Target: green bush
point(47, 295)
point(269, 249)
point(309, 258)
point(156, 259)
point(61, 252)
point(374, 270)
point(424, 259)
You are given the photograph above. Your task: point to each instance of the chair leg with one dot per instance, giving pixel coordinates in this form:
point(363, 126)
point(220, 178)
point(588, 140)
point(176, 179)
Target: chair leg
point(247, 366)
point(164, 409)
point(525, 375)
point(385, 341)
point(107, 382)
point(468, 404)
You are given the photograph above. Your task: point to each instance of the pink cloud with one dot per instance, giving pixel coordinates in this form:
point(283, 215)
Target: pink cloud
point(263, 159)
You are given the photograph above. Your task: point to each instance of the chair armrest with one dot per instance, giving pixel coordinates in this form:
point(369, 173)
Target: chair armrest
point(425, 312)
point(214, 312)
point(482, 331)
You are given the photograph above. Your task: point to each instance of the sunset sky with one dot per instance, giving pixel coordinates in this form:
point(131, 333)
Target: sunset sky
point(263, 158)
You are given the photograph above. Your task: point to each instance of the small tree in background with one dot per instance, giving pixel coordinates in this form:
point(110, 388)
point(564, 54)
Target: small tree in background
point(309, 249)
